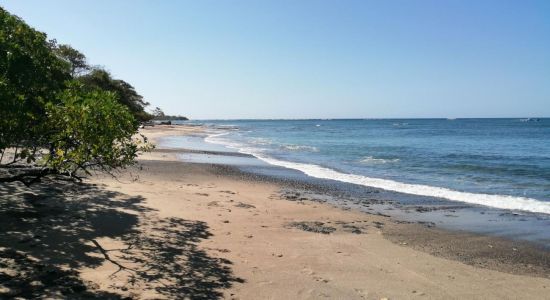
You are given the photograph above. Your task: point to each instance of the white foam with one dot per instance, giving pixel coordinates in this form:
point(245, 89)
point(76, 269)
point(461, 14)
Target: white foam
point(213, 138)
point(497, 201)
point(261, 141)
point(374, 160)
point(292, 147)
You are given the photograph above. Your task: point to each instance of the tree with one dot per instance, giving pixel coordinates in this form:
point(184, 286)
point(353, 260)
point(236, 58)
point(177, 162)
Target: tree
point(157, 113)
point(75, 59)
point(100, 78)
point(91, 130)
point(127, 95)
point(30, 75)
point(52, 124)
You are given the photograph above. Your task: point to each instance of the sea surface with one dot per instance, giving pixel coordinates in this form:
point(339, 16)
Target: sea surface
point(501, 163)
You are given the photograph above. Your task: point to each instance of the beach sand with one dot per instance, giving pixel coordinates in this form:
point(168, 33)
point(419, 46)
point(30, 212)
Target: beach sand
point(175, 230)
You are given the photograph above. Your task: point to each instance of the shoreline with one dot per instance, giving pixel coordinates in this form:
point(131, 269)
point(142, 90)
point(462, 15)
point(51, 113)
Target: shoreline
point(450, 174)
point(443, 213)
point(171, 229)
point(476, 249)
point(474, 254)
point(319, 192)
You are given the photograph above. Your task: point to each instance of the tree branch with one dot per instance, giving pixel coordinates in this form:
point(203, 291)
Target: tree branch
point(29, 176)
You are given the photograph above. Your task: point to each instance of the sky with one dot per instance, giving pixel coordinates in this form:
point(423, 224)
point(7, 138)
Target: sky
point(231, 59)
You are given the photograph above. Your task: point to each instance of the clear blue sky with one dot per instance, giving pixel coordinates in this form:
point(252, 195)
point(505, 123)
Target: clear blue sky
point(315, 59)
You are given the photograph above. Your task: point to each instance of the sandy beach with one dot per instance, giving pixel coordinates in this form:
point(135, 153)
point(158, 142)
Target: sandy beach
point(174, 230)
point(274, 150)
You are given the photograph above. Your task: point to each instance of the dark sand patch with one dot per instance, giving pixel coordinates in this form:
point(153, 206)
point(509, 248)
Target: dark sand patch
point(493, 253)
point(312, 226)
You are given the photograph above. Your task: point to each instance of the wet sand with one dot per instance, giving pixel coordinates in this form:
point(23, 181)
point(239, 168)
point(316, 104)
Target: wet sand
point(170, 229)
point(286, 247)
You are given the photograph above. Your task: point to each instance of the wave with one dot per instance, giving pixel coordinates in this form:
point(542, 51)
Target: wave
point(261, 141)
point(223, 126)
point(214, 139)
point(292, 147)
point(496, 201)
point(373, 160)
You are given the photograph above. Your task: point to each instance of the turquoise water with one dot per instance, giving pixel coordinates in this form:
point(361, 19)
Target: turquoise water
point(503, 163)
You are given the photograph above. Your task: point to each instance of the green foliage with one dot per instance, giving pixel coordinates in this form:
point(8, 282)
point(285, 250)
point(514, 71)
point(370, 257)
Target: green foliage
point(158, 114)
point(91, 130)
point(127, 95)
point(74, 58)
point(171, 118)
point(30, 76)
point(55, 123)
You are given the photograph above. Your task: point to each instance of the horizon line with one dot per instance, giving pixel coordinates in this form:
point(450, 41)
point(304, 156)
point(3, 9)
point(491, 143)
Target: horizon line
point(385, 118)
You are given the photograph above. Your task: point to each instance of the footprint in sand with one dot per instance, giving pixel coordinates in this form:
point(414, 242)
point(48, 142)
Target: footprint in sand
point(265, 282)
point(228, 192)
point(308, 271)
point(244, 205)
point(321, 279)
point(362, 293)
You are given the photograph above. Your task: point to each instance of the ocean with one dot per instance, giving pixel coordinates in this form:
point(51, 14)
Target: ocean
point(501, 163)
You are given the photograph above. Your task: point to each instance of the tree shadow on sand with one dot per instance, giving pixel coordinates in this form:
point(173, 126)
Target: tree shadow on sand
point(52, 230)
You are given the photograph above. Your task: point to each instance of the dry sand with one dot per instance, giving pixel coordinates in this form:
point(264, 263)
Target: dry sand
point(177, 230)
